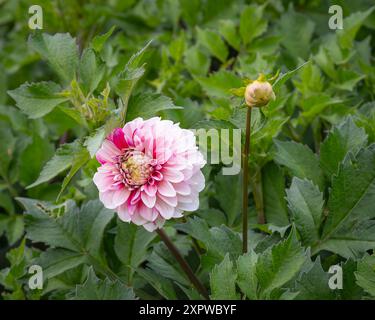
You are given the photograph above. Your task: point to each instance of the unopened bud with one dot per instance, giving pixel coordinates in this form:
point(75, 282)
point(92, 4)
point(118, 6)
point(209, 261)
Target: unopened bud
point(259, 92)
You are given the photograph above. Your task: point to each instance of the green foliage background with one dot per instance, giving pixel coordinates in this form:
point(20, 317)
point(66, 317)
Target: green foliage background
point(93, 67)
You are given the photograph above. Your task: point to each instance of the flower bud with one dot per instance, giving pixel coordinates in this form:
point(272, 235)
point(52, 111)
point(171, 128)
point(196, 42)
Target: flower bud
point(259, 92)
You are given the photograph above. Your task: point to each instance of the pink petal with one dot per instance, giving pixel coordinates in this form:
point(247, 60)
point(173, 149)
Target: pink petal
point(172, 201)
point(150, 189)
point(171, 175)
point(103, 181)
point(118, 138)
point(113, 199)
point(145, 212)
point(149, 201)
point(189, 206)
point(166, 189)
point(107, 152)
point(123, 213)
point(165, 210)
point(182, 188)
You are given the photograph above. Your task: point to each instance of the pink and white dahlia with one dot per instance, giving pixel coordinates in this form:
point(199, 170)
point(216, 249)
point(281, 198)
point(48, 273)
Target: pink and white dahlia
point(150, 172)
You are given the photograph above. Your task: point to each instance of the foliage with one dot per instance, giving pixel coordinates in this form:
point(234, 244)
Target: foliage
point(97, 65)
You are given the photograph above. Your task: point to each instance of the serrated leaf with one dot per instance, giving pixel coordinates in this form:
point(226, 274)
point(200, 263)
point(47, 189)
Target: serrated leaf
point(279, 264)
point(213, 42)
point(313, 284)
point(349, 230)
point(284, 77)
point(148, 105)
point(131, 245)
point(60, 162)
point(37, 99)
point(246, 274)
point(223, 281)
point(352, 24)
point(129, 77)
point(365, 274)
point(97, 289)
point(60, 50)
point(300, 160)
point(91, 70)
point(220, 83)
point(306, 202)
point(230, 202)
point(196, 61)
point(228, 30)
point(344, 138)
point(80, 158)
point(98, 41)
point(296, 30)
point(275, 208)
point(252, 24)
point(79, 230)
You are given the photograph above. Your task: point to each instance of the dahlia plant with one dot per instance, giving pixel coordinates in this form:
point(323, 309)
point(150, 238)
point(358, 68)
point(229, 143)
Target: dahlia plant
point(106, 190)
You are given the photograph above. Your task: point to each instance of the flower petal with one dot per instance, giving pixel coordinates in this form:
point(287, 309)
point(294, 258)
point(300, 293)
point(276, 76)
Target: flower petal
point(166, 189)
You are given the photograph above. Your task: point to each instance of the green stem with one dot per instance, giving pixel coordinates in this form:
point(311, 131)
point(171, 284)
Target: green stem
point(182, 262)
point(245, 182)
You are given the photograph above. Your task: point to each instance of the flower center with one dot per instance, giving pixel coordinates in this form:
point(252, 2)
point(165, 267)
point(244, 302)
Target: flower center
point(136, 168)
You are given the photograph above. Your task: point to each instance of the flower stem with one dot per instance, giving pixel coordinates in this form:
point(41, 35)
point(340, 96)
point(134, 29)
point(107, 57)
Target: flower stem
point(245, 167)
point(184, 265)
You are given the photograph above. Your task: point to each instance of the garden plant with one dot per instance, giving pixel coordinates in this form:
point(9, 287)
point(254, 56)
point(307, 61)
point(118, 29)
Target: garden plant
point(187, 149)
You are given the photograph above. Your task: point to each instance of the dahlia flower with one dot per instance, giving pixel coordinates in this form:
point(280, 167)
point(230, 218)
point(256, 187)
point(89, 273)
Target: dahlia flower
point(150, 172)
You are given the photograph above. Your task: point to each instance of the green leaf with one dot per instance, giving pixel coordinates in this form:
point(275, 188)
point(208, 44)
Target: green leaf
point(296, 30)
point(279, 264)
point(148, 105)
point(217, 240)
point(164, 263)
point(220, 83)
point(230, 202)
point(60, 162)
point(313, 284)
point(213, 42)
point(306, 202)
point(300, 160)
point(7, 148)
point(129, 77)
point(56, 261)
point(37, 99)
point(196, 61)
point(94, 141)
point(98, 41)
point(33, 157)
point(78, 230)
point(162, 285)
point(349, 230)
point(228, 30)
point(91, 70)
point(131, 245)
point(246, 274)
point(60, 50)
point(223, 281)
point(80, 158)
point(344, 138)
point(13, 225)
point(273, 182)
point(352, 24)
point(365, 274)
point(252, 24)
point(284, 77)
point(97, 289)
